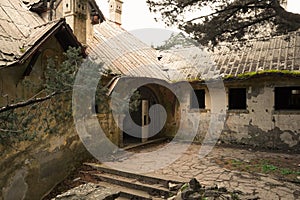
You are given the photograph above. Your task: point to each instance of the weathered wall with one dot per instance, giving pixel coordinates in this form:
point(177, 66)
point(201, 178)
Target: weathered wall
point(259, 125)
point(12, 78)
point(30, 169)
point(168, 100)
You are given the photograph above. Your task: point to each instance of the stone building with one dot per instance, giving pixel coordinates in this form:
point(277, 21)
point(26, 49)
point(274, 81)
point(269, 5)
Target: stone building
point(256, 98)
point(127, 57)
point(29, 36)
point(260, 83)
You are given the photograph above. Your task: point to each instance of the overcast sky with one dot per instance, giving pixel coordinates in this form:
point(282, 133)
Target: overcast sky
point(137, 18)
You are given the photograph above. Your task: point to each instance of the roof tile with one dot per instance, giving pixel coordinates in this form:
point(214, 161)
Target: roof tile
point(17, 24)
point(278, 53)
point(123, 53)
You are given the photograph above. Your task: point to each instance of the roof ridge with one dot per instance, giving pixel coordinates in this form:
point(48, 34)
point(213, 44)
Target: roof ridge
point(50, 22)
point(260, 39)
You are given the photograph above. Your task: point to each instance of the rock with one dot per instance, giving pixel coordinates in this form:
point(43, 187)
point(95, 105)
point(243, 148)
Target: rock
point(195, 185)
point(185, 194)
point(195, 196)
point(194, 191)
point(174, 186)
point(89, 191)
point(252, 198)
point(222, 189)
point(76, 179)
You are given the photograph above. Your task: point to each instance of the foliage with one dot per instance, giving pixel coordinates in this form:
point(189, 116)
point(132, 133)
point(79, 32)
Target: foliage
point(264, 72)
point(213, 21)
point(267, 168)
point(30, 118)
point(60, 78)
point(177, 41)
point(288, 172)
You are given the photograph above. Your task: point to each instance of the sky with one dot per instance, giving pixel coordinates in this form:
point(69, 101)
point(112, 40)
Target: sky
point(137, 19)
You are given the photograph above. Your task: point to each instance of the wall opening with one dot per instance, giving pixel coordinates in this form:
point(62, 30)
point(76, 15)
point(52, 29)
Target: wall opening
point(237, 99)
point(140, 116)
point(198, 100)
point(287, 98)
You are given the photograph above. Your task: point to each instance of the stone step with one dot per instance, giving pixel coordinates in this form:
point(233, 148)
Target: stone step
point(130, 185)
point(126, 196)
point(153, 190)
point(143, 144)
point(140, 177)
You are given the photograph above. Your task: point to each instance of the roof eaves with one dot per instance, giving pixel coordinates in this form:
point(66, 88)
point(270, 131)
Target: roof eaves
point(41, 40)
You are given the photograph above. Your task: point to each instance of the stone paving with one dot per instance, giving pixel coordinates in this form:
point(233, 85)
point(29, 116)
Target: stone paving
point(209, 173)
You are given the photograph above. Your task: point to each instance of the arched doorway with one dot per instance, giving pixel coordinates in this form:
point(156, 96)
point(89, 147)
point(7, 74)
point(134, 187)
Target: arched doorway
point(141, 117)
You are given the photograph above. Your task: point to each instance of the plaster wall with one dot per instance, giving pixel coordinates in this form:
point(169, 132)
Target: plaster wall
point(260, 125)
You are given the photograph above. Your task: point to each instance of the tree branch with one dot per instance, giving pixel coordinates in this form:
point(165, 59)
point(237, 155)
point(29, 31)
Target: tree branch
point(12, 131)
point(26, 103)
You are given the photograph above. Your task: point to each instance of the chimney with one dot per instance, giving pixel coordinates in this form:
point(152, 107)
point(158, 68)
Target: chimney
point(75, 12)
point(283, 3)
point(115, 11)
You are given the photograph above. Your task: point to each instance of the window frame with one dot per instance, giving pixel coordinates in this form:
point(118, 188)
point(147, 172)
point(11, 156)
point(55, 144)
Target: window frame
point(286, 103)
point(240, 106)
point(202, 103)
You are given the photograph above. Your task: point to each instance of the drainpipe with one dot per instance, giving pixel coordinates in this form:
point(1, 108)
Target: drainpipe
point(50, 7)
point(273, 128)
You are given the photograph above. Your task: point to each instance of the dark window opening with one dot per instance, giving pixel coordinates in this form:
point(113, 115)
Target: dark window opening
point(237, 99)
point(198, 100)
point(287, 98)
point(96, 109)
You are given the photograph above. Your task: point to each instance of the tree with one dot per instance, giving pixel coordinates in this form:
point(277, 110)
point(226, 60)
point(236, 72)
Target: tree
point(51, 106)
point(227, 21)
point(177, 41)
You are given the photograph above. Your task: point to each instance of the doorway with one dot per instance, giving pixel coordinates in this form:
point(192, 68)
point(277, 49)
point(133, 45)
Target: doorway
point(141, 118)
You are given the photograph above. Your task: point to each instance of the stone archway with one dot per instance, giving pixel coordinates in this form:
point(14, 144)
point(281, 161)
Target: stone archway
point(140, 117)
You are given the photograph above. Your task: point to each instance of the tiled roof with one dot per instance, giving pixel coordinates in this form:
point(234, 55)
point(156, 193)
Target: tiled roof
point(278, 53)
point(123, 53)
point(186, 63)
point(17, 30)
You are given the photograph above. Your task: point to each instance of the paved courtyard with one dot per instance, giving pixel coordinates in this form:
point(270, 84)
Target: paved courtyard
point(210, 173)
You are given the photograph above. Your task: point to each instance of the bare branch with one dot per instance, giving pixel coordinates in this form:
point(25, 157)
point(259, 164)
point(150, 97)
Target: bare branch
point(11, 131)
point(26, 103)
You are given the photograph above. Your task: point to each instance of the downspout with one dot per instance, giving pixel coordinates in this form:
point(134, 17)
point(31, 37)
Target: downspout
point(51, 9)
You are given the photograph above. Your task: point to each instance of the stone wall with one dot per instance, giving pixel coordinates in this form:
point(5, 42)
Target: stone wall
point(29, 170)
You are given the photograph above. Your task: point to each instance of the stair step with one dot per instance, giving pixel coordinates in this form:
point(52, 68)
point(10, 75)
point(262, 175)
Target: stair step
point(139, 177)
point(149, 142)
point(152, 190)
point(125, 193)
point(131, 185)
point(126, 179)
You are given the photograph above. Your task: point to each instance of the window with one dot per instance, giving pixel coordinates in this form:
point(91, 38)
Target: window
point(198, 100)
point(287, 98)
point(237, 99)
